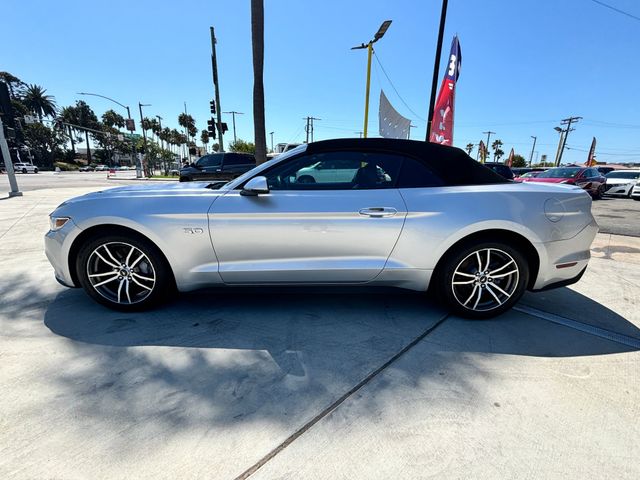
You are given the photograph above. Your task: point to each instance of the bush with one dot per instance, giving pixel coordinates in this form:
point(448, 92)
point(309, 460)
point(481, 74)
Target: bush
point(65, 167)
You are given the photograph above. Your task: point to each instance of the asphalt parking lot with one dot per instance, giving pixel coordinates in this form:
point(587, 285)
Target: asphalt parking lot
point(312, 383)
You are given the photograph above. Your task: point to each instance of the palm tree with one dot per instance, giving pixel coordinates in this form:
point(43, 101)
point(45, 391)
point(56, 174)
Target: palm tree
point(204, 138)
point(257, 43)
point(469, 148)
point(37, 101)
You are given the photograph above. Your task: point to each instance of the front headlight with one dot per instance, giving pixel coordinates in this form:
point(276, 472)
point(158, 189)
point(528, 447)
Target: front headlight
point(56, 223)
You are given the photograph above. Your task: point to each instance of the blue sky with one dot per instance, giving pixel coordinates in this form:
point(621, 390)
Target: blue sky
point(526, 64)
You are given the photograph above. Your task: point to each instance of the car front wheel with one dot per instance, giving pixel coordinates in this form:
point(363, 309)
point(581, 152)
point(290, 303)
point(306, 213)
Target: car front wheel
point(124, 273)
point(482, 280)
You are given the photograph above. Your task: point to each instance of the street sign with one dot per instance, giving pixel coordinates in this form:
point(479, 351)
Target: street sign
point(131, 124)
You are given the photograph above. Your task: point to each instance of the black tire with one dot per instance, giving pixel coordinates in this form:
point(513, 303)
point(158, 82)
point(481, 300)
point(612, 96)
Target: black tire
point(24, 170)
point(599, 193)
point(185, 179)
point(35, 170)
point(153, 264)
point(461, 298)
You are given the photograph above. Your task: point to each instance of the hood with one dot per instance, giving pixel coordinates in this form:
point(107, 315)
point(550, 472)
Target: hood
point(151, 189)
point(620, 181)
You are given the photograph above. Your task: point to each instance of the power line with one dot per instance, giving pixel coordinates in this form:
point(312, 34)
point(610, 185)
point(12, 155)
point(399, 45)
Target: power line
point(616, 9)
point(395, 89)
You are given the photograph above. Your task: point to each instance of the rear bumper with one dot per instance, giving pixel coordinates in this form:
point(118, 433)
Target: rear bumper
point(564, 261)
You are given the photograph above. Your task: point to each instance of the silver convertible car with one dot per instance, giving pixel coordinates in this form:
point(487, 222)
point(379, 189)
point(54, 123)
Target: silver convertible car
point(397, 213)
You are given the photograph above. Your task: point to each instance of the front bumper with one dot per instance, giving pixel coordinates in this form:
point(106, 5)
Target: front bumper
point(564, 261)
point(56, 246)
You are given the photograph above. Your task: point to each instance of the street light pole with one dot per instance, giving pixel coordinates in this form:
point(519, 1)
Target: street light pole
point(234, 113)
point(369, 46)
point(8, 164)
point(271, 133)
point(214, 67)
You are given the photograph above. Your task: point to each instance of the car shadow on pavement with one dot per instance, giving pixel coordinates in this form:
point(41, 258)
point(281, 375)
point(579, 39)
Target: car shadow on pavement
point(284, 320)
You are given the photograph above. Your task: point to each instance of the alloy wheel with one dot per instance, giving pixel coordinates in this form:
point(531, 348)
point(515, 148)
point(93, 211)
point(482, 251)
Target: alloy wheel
point(121, 273)
point(485, 279)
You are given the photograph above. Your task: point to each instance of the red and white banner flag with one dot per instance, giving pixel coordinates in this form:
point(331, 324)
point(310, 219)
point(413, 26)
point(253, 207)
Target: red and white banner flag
point(510, 159)
point(591, 159)
point(442, 121)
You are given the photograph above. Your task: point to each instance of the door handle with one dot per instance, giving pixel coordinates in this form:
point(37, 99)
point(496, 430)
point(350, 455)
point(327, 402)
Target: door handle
point(378, 212)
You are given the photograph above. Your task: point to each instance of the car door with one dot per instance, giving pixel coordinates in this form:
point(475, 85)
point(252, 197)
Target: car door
point(209, 166)
point(300, 232)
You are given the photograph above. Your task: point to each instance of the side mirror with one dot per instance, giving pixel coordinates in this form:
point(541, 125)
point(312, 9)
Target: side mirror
point(255, 186)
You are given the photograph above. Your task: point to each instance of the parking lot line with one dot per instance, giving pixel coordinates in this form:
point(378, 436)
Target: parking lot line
point(583, 327)
point(295, 435)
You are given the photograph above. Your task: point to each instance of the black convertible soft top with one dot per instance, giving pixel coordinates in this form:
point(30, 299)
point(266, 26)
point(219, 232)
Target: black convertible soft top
point(451, 164)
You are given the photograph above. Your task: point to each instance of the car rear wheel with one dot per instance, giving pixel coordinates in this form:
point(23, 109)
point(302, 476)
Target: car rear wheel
point(482, 280)
point(24, 170)
point(124, 273)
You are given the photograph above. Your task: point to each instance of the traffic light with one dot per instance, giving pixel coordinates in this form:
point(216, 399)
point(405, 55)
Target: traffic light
point(212, 105)
point(224, 127)
point(211, 128)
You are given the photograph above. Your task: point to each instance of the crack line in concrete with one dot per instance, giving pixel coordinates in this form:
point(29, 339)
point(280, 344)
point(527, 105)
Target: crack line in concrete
point(583, 327)
point(294, 436)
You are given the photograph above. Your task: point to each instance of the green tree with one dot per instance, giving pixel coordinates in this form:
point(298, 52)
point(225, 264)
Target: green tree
point(204, 138)
point(35, 98)
point(518, 161)
point(43, 142)
point(242, 146)
point(188, 123)
point(15, 85)
point(497, 150)
point(469, 148)
point(82, 117)
point(112, 119)
point(257, 44)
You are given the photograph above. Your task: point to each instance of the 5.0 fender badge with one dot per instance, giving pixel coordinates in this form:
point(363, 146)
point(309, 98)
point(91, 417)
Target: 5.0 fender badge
point(193, 231)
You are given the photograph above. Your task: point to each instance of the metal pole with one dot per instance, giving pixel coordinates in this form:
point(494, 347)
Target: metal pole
point(306, 128)
point(488, 138)
point(214, 67)
point(8, 164)
point(556, 163)
point(532, 149)
point(567, 122)
point(144, 142)
point(436, 67)
point(271, 133)
point(366, 96)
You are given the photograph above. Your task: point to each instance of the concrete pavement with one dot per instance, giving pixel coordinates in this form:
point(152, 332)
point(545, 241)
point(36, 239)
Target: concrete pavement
point(217, 382)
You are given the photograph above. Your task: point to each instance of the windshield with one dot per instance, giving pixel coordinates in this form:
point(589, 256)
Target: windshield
point(628, 175)
point(569, 172)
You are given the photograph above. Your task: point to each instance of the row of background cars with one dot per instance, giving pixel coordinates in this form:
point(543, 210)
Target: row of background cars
point(597, 181)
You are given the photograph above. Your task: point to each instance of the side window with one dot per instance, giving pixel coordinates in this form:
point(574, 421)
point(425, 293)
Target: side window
point(415, 174)
point(336, 171)
point(238, 159)
point(210, 160)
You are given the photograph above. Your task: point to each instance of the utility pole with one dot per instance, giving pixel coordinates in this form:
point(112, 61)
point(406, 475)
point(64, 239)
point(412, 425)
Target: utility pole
point(160, 129)
point(234, 123)
point(270, 133)
point(309, 128)
point(436, 67)
point(489, 133)
point(144, 140)
point(532, 149)
point(214, 67)
point(409, 131)
point(359, 134)
point(567, 122)
point(8, 164)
